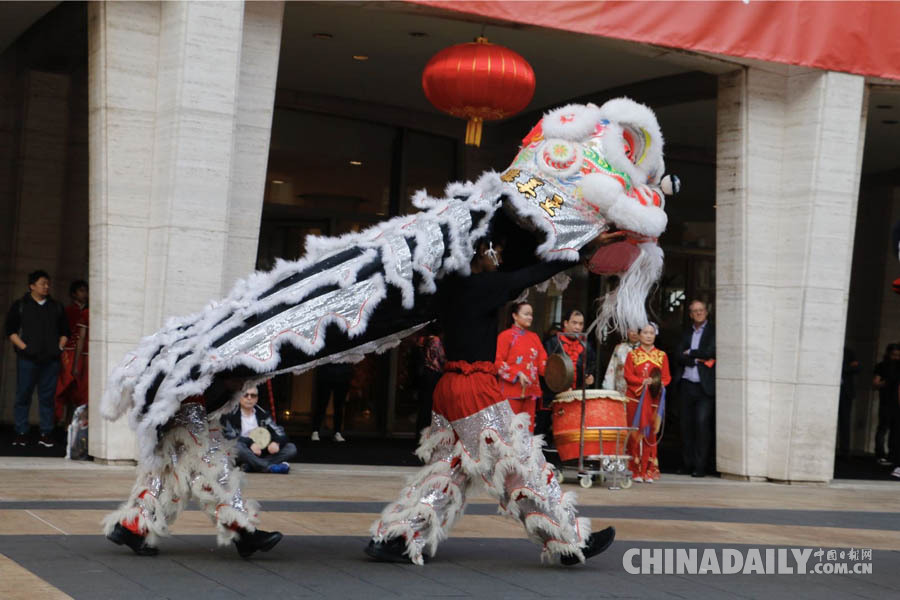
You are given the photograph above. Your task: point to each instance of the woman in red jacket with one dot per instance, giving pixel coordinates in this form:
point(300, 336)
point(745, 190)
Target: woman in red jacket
point(520, 361)
point(646, 405)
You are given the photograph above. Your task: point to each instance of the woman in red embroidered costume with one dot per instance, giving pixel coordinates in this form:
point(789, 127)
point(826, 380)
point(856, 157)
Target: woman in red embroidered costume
point(646, 404)
point(520, 361)
point(72, 385)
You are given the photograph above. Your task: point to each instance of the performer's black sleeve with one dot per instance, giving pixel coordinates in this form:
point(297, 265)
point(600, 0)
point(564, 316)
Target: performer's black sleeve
point(497, 288)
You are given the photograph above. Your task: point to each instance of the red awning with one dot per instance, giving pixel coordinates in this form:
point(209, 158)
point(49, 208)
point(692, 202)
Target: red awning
point(854, 37)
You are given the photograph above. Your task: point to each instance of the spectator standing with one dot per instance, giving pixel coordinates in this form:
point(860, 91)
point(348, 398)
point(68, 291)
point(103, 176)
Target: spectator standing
point(695, 375)
point(72, 385)
point(646, 407)
point(332, 379)
point(238, 425)
point(886, 381)
point(36, 325)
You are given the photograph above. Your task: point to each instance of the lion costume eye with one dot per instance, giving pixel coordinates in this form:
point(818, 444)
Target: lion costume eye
point(559, 157)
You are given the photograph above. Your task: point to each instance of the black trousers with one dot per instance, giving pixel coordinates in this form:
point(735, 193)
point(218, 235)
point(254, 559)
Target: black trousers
point(428, 380)
point(894, 441)
point(886, 414)
point(696, 426)
point(261, 463)
point(326, 386)
point(845, 409)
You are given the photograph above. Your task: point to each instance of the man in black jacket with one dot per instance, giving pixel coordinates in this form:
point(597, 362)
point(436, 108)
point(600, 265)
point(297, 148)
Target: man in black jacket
point(695, 375)
point(37, 326)
point(239, 424)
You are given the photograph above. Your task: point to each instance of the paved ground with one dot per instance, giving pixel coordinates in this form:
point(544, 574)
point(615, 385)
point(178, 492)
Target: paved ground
point(335, 567)
point(50, 548)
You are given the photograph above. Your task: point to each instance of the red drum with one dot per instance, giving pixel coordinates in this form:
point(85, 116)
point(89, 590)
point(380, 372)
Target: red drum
point(605, 408)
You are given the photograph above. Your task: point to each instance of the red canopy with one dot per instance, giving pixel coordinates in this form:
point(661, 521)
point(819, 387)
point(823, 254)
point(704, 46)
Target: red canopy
point(855, 37)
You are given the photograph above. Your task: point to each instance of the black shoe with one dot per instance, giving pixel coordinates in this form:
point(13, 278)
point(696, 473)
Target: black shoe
point(136, 542)
point(20, 440)
point(597, 543)
point(263, 541)
point(46, 441)
point(698, 474)
point(393, 550)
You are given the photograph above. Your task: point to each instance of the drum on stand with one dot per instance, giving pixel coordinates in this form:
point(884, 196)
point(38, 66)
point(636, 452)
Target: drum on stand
point(605, 408)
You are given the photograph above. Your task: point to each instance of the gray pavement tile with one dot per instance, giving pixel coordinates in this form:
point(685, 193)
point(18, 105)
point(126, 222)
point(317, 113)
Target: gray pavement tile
point(193, 568)
point(882, 521)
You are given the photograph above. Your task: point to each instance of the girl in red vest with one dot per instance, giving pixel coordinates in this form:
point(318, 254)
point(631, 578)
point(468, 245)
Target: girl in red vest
point(646, 405)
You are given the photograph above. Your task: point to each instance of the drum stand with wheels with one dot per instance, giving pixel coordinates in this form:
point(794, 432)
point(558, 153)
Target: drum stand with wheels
point(612, 469)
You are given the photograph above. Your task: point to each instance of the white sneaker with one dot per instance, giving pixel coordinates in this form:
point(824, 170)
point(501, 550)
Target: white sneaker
point(638, 479)
point(338, 437)
point(648, 480)
point(315, 436)
point(896, 473)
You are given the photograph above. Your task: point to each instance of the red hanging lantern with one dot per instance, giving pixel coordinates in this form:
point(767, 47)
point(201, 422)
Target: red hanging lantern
point(478, 81)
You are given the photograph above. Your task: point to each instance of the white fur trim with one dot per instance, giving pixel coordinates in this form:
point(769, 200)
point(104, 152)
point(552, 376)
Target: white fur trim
point(627, 213)
point(624, 111)
point(571, 122)
point(601, 190)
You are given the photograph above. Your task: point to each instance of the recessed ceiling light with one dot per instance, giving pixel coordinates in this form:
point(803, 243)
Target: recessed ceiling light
point(356, 163)
point(884, 106)
point(277, 181)
point(322, 36)
point(360, 57)
point(890, 121)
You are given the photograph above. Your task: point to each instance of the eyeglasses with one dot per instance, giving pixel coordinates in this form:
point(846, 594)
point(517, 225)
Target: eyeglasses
point(251, 395)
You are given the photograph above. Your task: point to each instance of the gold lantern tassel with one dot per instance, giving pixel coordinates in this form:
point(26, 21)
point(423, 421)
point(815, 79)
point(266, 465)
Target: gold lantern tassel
point(473, 131)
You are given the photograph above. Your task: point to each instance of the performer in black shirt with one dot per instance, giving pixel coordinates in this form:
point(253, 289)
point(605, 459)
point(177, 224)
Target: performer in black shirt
point(475, 436)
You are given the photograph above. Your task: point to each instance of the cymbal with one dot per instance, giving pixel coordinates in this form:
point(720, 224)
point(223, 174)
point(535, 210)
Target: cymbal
point(559, 372)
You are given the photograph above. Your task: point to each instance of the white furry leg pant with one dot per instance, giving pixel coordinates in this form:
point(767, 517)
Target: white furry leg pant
point(433, 499)
point(192, 460)
point(492, 447)
point(497, 447)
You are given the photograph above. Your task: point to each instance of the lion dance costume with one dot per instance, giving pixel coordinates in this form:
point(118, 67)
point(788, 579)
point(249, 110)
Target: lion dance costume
point(582, 171)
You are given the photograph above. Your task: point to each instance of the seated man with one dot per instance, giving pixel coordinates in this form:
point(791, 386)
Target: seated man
point(250, 456)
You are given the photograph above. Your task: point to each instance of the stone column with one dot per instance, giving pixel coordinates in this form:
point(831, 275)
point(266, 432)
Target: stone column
point(789, 156)
point(178, 157)
point(123, 56)
point(253, 125)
